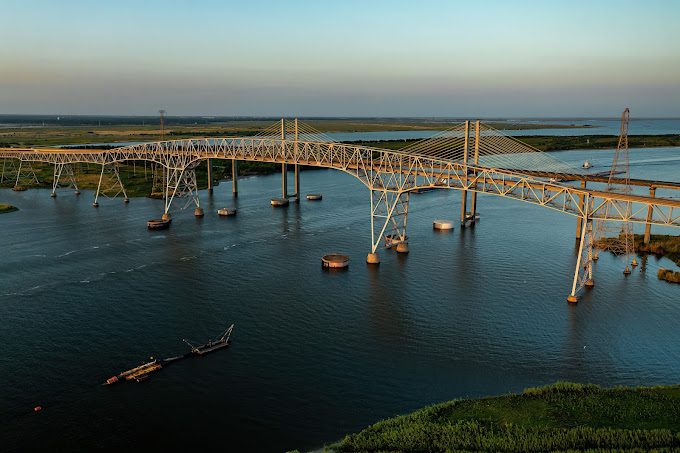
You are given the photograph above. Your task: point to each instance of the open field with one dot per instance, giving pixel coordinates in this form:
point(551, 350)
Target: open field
point(74, 133)
point(559, 417)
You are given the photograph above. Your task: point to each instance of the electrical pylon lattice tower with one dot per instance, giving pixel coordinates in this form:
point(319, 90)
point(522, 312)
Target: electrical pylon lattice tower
point(617, 237)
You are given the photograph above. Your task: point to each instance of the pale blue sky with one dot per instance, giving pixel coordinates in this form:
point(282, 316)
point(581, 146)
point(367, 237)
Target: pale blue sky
point(341, 58)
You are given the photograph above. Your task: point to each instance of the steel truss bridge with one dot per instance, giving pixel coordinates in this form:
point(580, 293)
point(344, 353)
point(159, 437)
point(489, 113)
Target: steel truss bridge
point(482, 161)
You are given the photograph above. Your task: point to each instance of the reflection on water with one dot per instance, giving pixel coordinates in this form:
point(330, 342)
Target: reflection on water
point(88, 292)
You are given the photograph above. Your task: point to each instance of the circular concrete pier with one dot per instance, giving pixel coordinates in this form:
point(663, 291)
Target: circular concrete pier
point(572, 299)
point(314, 196)
point(279, 202)
point(589, 283)
point(224, 212)
point(335, 261)
point(126, 200)
point(373, 258)
point(53, 194)
point(166, 216)
point(95, 204)
point(198, 212)
point(402, 247)
point(442, 225)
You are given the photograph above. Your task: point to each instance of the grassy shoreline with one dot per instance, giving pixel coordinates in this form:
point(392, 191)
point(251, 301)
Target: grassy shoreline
point(558, 417)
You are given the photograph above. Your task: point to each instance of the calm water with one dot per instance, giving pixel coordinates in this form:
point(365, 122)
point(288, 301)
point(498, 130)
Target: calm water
point(86, 293)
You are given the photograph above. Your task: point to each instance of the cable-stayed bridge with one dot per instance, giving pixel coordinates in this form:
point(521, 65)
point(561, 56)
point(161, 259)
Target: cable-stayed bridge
point(469, 157)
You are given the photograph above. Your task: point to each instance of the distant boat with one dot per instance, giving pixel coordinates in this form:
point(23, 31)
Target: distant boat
point(586, 164)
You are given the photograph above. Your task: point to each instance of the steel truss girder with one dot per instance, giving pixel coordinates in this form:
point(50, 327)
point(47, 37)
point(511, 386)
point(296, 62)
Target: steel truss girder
point(366, 163)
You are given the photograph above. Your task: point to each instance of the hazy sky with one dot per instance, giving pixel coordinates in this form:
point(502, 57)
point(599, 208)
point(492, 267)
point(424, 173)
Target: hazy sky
point(341, 58)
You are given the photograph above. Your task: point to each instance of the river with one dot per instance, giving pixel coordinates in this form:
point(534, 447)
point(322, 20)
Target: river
point(86, 293)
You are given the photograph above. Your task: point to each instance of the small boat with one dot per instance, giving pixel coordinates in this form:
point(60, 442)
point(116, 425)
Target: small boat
point(586, 164)
point(226, 211)
point(158, 224)
point(212, 345)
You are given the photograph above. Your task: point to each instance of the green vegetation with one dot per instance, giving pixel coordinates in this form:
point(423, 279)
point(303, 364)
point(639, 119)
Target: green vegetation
point(668, 275)
point(137, 177)
point(559, 143)
point(4, 208)
point(559, 417)
point(659, 244)
point(75, 134)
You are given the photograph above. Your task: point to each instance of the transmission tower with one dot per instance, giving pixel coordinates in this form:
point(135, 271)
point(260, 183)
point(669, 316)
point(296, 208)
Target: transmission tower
point(617, 237)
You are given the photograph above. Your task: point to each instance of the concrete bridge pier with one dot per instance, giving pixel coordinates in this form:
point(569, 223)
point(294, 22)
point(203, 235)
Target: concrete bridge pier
point(650, 214)
point(210, 177)
point(297, 183)
point(284, 180)
point(234, 177)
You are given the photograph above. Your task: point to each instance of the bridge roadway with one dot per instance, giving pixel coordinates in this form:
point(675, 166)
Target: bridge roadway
point(390, 176)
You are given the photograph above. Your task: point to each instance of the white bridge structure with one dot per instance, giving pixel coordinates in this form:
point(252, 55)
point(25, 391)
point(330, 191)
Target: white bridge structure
point(470, 157)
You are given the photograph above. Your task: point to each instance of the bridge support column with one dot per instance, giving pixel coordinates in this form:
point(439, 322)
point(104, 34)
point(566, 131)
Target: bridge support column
point(9, 171)
point(389, 216)
point(473, 194)
point(64, 171)
point(650, 215)
point(583, 274)
point(463, 204)
point(579, 219)
point(284, 180)
point(181, 183)
point(158, 180)
point(25, 175)
point(234, 177)
point(297, 167)
point(284, 166)
point(210, 177)
point(110, 185)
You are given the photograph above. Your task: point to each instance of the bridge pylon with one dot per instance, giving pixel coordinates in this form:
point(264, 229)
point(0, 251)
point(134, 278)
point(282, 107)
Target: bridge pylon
point(64, 177)
point(25, 175)
point(110, 184)
point(389, 213)
point(583, 274)
point(181, 183)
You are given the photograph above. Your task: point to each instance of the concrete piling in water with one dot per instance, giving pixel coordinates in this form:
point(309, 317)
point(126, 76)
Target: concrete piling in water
point(210, 177)
point(650, 213)
point(234, 177)
point(373, 258)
